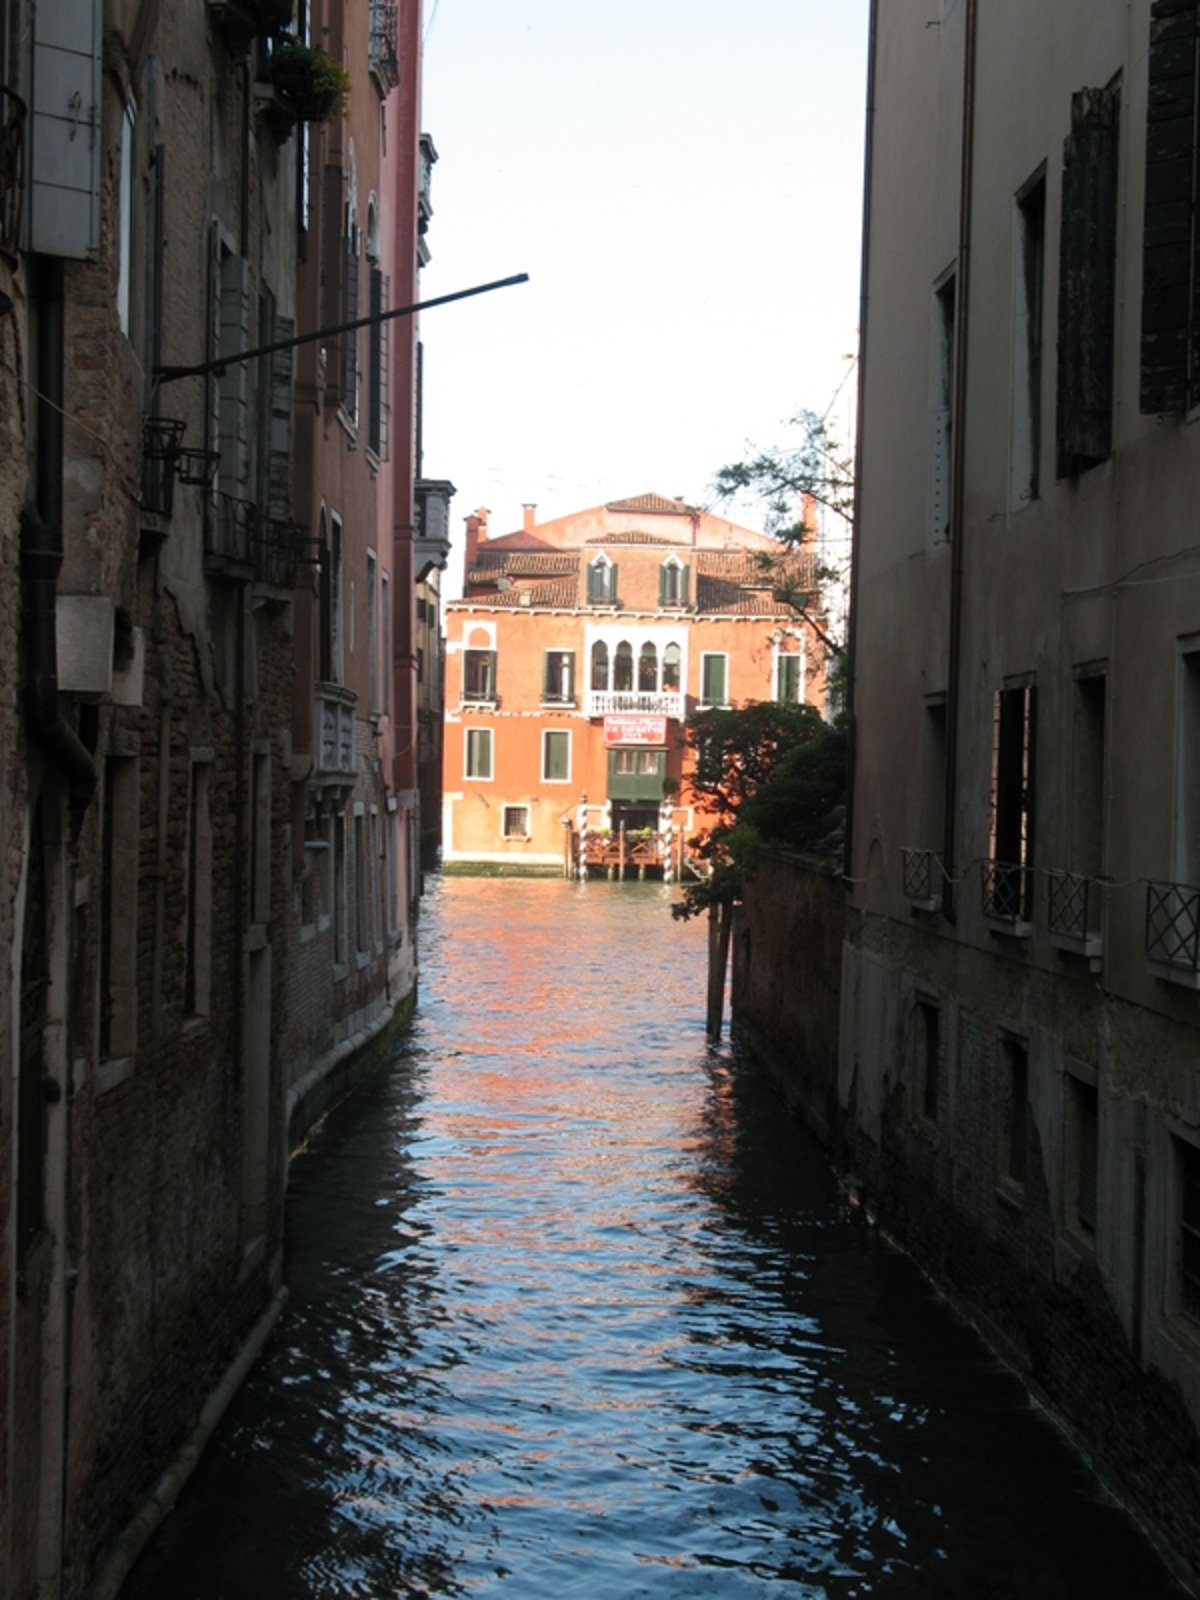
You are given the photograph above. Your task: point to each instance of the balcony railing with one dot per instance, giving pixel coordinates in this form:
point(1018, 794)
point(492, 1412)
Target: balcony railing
point(243, 542)
point(923, 878)
point(655, 703)
point(12, 168)
point(1008, 894)
point(335, 731)
point(382, 56)
point(1173, 927)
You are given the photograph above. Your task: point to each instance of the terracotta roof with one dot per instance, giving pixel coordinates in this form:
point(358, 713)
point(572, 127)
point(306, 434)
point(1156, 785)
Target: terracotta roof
point(638, 536)
point(737, 583)
point(521, 540)
point(543, 561)
point(657, 504)
point(560, 594)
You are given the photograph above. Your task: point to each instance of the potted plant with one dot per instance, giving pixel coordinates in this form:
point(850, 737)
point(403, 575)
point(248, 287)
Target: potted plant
point(308, 79)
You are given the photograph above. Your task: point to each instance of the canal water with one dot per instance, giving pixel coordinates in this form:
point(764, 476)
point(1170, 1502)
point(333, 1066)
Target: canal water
point(577, 1310)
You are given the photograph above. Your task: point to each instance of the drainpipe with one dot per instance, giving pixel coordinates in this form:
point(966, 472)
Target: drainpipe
point(962, 300)
point(42, 543)
point(855, 534)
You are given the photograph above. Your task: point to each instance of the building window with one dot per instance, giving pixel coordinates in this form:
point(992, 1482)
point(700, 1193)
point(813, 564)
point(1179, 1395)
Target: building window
point(372, 637)
point(789, 677)
point(260, 838)
point(362, 879)
point(1089, 762)
point(126, 218)
point(648, 669)
point(340, 949)
point(602, 582)
point(385, 630)
point(377, 368)
point(1029, 274)
point(672, 667)
point(351, 253)
point(1189, 1228)
point(1083, 1154)
point(479, 753)
point(599, 665)
point(1009, 884)
point(927, 1053)
point(515, 823)
point(713, 685)
point(331, 654)
point(672, 583)
point(556, 756)
point(942, 415)
point(1087, 282)
point(558, 677)
point(623, 668)
point(479, 676)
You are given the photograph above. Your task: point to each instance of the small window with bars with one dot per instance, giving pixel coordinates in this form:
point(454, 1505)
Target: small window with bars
point(515, 822)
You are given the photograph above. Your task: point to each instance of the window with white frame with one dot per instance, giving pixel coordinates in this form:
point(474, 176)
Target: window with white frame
point(478, 763)
point(479, 676)
point(556, 755)
point(672, 583)
point(789, 677)
point(714, 668)
point(558, 677)
point(515, 822)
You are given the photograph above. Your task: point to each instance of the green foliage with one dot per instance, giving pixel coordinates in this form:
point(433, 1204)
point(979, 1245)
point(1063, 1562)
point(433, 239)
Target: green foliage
point(815, 468)
point(315, 85)
point(767, 774)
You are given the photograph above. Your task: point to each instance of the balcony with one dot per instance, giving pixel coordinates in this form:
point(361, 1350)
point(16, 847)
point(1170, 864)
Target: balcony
point(1073, 913)
point(239, 21)
point(923, 877)
point(12, 169)
point(433, 497)
point(1173, 932)
point(647, 702)
point(162, 442)
point(382, 56)
point(243, 543)
point(334, 723)
point(1007, 897)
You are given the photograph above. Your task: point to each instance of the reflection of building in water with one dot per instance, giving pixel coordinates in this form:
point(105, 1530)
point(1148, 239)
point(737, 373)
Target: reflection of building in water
point(578, 649)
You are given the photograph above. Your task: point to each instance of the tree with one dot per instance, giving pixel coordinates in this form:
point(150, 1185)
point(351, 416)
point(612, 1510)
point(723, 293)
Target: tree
point(767, 774)
point(807, 489)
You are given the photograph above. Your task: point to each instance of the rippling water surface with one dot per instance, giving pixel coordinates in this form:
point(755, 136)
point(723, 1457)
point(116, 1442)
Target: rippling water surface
point(576, 1311)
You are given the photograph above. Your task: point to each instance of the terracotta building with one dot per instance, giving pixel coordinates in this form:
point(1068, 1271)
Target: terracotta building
point(578, 648)
point(1020, 1043)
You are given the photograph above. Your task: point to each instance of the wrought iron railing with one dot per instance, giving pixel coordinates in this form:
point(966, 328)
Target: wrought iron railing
point(1070, 905)
point(13, 114)
point(1173, 925)
point(922, 875)
point(276, 544)
point(1007, 891)
point(161, 442)
point(382, 56)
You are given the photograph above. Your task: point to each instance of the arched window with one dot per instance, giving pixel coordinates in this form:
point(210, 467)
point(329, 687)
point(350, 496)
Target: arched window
point(623, 666)
point(671, 665)
point(600, 665)
point(602, 581)
point(672, 583)
point(648, 669)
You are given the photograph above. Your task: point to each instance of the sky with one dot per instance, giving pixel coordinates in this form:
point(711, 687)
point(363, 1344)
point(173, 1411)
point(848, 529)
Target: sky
point(682, 181)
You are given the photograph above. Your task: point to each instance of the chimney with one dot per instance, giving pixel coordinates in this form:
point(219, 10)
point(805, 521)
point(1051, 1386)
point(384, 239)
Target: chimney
point(477, 525)
point(530, 510)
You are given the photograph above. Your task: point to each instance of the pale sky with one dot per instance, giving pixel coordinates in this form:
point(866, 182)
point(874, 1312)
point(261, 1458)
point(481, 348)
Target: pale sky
point(682, 181)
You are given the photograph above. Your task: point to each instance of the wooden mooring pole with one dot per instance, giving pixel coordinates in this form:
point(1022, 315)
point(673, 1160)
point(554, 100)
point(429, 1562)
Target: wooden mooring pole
point(720, 926)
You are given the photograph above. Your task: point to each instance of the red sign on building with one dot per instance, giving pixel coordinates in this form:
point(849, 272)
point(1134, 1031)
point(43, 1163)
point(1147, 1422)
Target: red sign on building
point(630, 727)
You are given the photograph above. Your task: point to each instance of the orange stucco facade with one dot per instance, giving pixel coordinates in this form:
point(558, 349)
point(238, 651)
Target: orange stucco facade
point(579, 647)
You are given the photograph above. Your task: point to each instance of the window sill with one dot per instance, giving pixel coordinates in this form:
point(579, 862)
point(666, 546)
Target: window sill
point(1009, 927)
point(1180, 977)
point(1011, 1196)
point(111, 1074)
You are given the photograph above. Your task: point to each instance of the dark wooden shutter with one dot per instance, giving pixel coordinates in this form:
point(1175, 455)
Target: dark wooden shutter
point(1168, 245)
point(1087, 281)
point(279, 425)
point(331, 269)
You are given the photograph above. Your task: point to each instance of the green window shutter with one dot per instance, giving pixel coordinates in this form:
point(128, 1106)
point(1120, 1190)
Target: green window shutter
point(685, 579)
point(1168, 276)
point(664, 586)
point(1087, 281)
point(611, 596)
